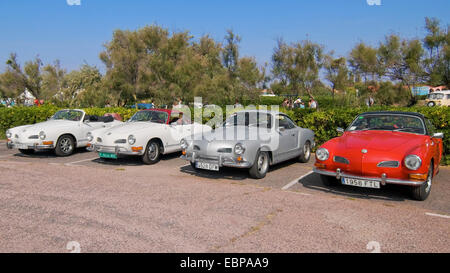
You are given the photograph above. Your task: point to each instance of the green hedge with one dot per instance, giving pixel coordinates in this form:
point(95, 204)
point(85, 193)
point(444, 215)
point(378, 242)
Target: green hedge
point(323, 122)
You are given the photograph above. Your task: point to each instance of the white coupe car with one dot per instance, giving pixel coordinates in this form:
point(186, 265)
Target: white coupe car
point(63, 132)
point(148, 134)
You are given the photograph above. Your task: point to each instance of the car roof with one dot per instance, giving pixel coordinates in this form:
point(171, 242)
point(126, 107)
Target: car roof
point(394, 113)
point(441, 92)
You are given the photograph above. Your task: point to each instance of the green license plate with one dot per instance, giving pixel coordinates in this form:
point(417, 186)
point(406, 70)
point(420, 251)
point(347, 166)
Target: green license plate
point(107, 155)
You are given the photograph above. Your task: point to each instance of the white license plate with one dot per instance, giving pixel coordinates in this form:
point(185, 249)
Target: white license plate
point(207, 166)
point(21, 146)
point(361, 183)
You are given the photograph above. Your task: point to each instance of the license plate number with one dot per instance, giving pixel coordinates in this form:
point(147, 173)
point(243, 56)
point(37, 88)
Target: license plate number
point(108, 155)
point(361, 183)
point(207, 166)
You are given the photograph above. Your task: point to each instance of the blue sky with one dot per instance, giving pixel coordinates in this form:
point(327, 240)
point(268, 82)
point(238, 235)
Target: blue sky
point(75, 34)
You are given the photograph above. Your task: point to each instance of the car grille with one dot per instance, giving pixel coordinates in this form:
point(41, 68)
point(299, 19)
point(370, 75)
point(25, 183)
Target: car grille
point(120, 141)
point(340, 159)
point(196, 148)
point(33, 137)
point(225, 150)
point(388, 164)
point(99, 139)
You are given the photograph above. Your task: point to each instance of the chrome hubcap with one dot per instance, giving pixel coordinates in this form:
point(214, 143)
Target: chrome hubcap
point(152, 151)
point(66, 145)
point(306, 151)
point(429, 179)
point(262, 163)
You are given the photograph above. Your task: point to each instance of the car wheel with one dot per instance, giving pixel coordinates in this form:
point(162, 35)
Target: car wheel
point(65, 145)
point(26, 151)
point(306, 153)
point(329, 180)
point(431, 104)
point(152, 153)
point(260, 166)
point(422, 192)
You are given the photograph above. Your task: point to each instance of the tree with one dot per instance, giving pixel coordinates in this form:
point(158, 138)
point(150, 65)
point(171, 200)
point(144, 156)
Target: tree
point(81, 85)
point(402, 60)
point(230, 53)
point(363, 61)
point(435, 42)
point(336, 72)
point(53, 80)
point(29, 78)
point(297, 66)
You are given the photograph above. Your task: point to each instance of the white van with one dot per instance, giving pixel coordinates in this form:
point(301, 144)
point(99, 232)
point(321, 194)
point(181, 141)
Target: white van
point(441, 98)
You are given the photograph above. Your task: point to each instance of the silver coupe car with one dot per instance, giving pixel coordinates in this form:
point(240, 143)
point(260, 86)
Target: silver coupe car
point(253, 139)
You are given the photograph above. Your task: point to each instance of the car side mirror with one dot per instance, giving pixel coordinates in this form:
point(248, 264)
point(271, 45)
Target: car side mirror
point(438, 135)
point(281, 129)
point(340, 130)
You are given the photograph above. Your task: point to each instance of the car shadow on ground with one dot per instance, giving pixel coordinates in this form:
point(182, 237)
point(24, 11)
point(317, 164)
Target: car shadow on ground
point(231, 173)
point(386, 193)
point(133, 160)
point(48, 153)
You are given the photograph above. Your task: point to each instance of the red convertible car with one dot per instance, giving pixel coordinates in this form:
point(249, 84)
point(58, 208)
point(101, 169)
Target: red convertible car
point(381, 148)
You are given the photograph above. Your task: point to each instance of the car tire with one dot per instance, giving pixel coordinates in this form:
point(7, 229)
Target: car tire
point(306, 153)
point(65, 145)
point(422, 192)
point(152, 154)
point(193, 166)
point(26, 151)
point(260, 166)
point(328, 180)
point(431, 104)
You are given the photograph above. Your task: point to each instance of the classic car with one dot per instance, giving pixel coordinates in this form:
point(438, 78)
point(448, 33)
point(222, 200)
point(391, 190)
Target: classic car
point(253, 139)
point(380, 148)
point(148, 134)
point(63, 132)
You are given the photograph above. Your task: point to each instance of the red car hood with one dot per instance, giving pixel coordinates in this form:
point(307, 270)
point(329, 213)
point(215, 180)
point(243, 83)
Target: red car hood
point(379, 141)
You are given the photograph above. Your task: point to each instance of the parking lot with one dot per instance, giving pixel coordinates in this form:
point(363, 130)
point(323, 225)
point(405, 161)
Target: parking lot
point(48, 202)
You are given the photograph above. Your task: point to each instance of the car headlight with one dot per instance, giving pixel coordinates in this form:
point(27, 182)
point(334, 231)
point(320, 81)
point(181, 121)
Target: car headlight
point(42, 135)
point(239, 149)
point(89, 136)
point(184, 144)
point(413, 162)
point(322, 154)
point(8, 134)
point(131, 139)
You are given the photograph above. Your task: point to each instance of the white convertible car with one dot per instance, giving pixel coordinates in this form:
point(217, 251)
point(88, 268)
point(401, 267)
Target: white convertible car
point(63, 132)
point(148, 134)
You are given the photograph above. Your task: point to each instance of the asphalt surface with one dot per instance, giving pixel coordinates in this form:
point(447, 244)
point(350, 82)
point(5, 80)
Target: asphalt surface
point(83, 203)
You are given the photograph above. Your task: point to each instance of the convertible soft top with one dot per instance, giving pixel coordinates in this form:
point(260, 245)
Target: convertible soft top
point(395, 113)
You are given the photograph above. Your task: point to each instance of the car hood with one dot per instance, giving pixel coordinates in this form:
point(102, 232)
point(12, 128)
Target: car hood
point(236, 133)
point(379, 141)
point(129, 128)
point(45, 126)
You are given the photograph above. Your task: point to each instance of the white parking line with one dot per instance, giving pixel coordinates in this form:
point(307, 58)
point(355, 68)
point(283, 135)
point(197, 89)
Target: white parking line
point(79, 161)
point(438, 215)
point(292, 183)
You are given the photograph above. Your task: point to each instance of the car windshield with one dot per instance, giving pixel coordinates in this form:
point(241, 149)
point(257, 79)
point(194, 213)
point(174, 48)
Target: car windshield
point(150, 116)
point(251, 119)
point(388, 122)
point(72, 115)
point(435, 96)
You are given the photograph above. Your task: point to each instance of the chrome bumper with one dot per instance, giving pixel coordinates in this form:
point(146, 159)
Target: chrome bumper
point(221, 160)
point(383, 179)
point(112, 150)
point(28, 146)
